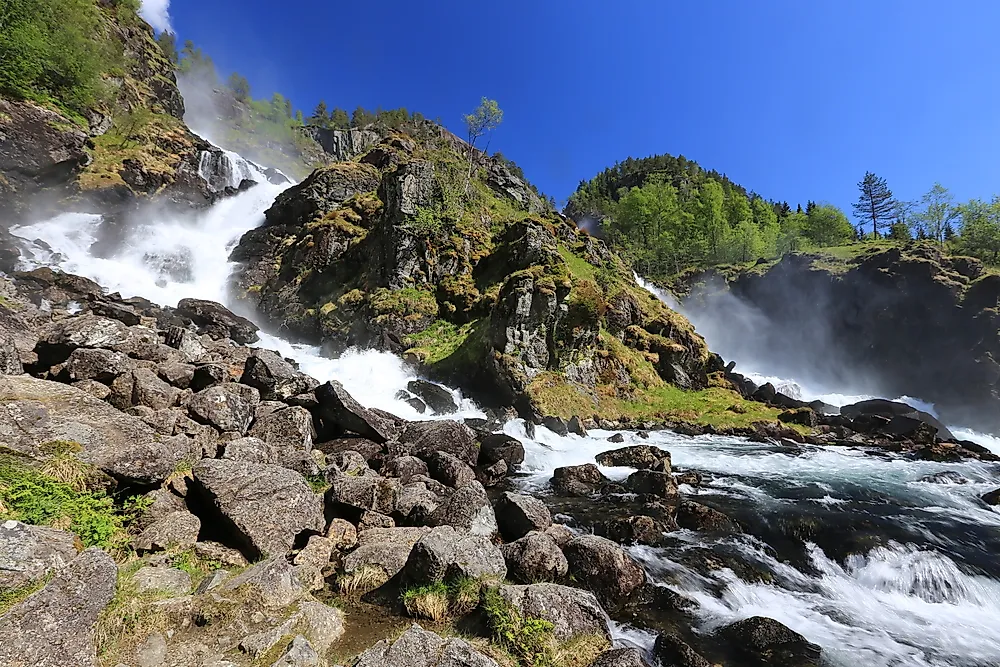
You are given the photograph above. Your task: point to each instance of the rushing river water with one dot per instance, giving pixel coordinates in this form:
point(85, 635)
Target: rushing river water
point(858, 552)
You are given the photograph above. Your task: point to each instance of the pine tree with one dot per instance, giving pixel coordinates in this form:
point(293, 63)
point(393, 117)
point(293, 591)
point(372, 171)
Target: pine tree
point(875, 202)
point(339, 119)
point(168, 44)
point(319, 115)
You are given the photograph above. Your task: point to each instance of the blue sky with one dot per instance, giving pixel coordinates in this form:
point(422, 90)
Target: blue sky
point(794, 100)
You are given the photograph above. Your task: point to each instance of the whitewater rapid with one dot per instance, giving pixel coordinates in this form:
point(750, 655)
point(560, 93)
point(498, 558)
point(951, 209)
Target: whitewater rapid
point(922, 591)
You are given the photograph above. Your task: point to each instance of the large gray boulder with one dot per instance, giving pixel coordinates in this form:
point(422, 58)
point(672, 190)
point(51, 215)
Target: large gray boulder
point(651, 482)
point(572, 611)
point(272, 583)
point(418, 648)
point(97, 364)
point(535, 558)
point(263, 508)
point(218, 321)
point(383, 550)
point(603, 566)
point(579, 481)
point(670, 649)
point(27, 552)
point(163, 580)
point(55, 626)
point(423, 438)
point(275, 378)
point(518, 514)
point(643, 457)
point(467, 509)
point(365, 492)
point(444, 554)
point(288, 432)
point(765, 642)
point(177, 529)
point(223, 407)
point(338, 409)
point(449, 470)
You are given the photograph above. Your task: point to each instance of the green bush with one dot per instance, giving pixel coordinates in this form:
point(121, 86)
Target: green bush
point(530, 641)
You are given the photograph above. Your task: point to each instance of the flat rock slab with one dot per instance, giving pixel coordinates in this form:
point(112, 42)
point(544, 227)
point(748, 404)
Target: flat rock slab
point(27, 553)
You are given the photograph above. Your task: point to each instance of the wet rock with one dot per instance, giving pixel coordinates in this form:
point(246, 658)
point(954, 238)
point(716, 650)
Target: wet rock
point(517, 515)
point(27, 553)
point(337, 408)
point(467, 509)
point(263, 508)
point(651, 482)
point(579, 481)
point(575, 426)
point(535, 558)
point(992, 498)
point(55, 626)
point(449, 470)
point(695, 516)
point(418, 648)
point(445, 553)
point(223, 408)
point(603, 567)
point(177, 529)
point(557, 425)
point(411, 400)
point(617, 438)
point(455, 438)
point(166, 580)
point(945, 477)
point(767, 643)
point(643, 457)
point(500, 447)
point(672, 651)
point(572, 612)
point(272, 583)
point(436, 397)
point(405, 467)
point(275, 378)
point(639, 529)
point(218, 321)
point(97, 364)
point(366, 492)
point(627, 657)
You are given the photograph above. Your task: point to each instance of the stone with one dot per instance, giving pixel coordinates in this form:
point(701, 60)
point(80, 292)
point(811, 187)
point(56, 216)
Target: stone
point(167, 580)
point(449, 470)
point(572, 612)
point(147, 463)
point(575, 426)
point(10, 358)
point(578, 481)
point(208, 375)
point(350, 463)
point(383, 549)
point(651, 482)
point(177, 529)
point(643, 457)
point(500, 447)
point(670, 649)
point(153, 651)
point(560, 533)
point(695, 516)
point(338, 408)
point(149, 390)
point(557, 425)
point(422, 438)
point(220, 553)
point(187, 343)
point(616, 438)
point(271, 583)
point(218, 321)
point(55, 626)
point(419, 648)
point(517, 515)
point(96, 389)
point(604, 567)
point(263, 507)
point(491, 476)
point(311, 561)
point(992, 497)
point(535, 558)
point(274, 377)
point(288, 433)
point(444, 553)
point(467, 509)
point(767, 643)
point(222, 408)
point(624, 657)
point(343, 534)
point(434, 396)
point(404, 467)
point(28, 553)
point(322, 625)
point(299, 653)
point(250, 450)
point(637, 529)
point(176, 373)
point(416, 504)
point(97, 364)
point(367, 492)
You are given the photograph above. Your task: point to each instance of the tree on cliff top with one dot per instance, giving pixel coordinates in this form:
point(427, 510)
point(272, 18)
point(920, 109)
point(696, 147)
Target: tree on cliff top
point(486, 118)
point(875, 202)
point(940, 213)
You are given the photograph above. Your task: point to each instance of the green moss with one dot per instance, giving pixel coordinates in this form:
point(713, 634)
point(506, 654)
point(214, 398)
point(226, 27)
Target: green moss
point(579, 268)
point(530, 641)
point(10, 597)
point(403, 302)
point(438, 341)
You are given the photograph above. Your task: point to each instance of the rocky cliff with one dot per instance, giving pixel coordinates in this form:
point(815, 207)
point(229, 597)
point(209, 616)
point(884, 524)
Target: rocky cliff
point(471, 278)
point(901, 320)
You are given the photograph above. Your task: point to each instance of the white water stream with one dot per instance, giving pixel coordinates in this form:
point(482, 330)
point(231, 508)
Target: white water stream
point(925, 595)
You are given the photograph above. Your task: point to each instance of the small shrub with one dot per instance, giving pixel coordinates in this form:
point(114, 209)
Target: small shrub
point(362, 580)
point(464, 594)
point(430, 602)
point(530, 641)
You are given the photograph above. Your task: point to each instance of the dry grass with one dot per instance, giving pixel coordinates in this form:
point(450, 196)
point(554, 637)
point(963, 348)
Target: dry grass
point(362, 580)
point(127, 621)
point(69, 470)
point(579, 651)
point(430, 602)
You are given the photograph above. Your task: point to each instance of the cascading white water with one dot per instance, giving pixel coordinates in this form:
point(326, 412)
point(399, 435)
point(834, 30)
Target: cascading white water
point(916, 603)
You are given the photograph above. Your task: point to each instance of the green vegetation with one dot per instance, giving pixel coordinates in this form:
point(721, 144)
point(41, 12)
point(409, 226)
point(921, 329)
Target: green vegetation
point(430, 602)
point(142, 137)
point(438, 341)
point(10, 597)
point(128, 620)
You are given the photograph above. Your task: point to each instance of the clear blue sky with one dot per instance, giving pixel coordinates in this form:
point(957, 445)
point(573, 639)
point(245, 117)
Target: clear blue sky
point(792, 99)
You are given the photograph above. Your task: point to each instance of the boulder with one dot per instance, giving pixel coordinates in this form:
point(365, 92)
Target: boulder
point(467, 509)
point(491, 476)
point(404, 467)
point(418, 648)
point(651, 482)
point(695, 516)
point(186, 342)
point(416, 504)
point(445, 553)
point(992, 497)
point(637, 529)
point(350, 463)
point(288, 433)
point(534, 558)
point(311, 561)
point(572, 612)
point(385, 550)
point(603, 567)
point(164, 580)
point(338, 409)
point(28, 553)
point(10, 358)
point(178, 530)
point(208, 375)
point(576, 427)
point(560, 533)
point(149, 462)
point(263, 508)
point(449, 470)
point(176, 373)
point(299, 653)
point(767, 643)
point(343, 534)
point(149, 390)
point(250, 450)
point(669, 649)
point(366, 492)
point(625, 657)
point(436, 397)
point(517, 515)
point(455, 438)
point(272, 583)
point(97, 364)
point(218, 321)
point(642, 457)
point(274, 377)
point(579, 481)
point(497, 447)
point(55, 626)
point(222, 407)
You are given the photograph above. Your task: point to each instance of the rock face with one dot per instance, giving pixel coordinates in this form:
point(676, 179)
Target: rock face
point(419, 648)
point(906, 303)
point(262, 508)
point(55, 626)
